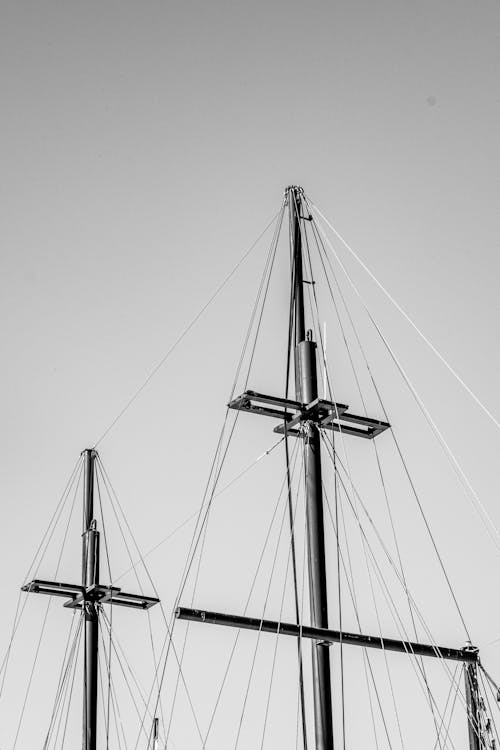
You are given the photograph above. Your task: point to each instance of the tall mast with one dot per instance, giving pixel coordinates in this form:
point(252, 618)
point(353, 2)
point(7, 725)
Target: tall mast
point(306, 391)
point(303, 418)
point(90, 578)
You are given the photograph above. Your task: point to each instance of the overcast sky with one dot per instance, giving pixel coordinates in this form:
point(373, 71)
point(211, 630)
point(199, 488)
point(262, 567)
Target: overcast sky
point(144, 147)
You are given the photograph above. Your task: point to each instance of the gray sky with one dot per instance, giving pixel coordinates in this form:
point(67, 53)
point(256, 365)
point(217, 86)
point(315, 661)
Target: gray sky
point(144, 147)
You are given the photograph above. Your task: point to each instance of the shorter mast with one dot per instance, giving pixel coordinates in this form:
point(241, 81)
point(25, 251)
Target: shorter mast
point(89, 598)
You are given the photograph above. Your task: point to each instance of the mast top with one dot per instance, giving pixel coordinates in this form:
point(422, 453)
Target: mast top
point(295, 188)
point(90, 452)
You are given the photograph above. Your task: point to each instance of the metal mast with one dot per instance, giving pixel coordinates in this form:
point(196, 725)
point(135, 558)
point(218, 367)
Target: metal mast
point(306, 391)
point(304, 418)
point(89, 596)
point(90, 578)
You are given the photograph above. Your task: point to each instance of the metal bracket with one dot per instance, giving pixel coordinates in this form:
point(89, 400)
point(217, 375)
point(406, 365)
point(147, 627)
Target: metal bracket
point(79, 595)
point(328, 415)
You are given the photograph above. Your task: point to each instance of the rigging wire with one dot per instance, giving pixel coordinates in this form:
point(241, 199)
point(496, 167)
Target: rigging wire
point(196, 512)
point(398, 307)
point(184, 332)
point(434, 428)
point(216, 468)
point(287, 568)
point(320, 246)
point(186, 634)
point(313, 303)
point(339, 595)
point(349, 577)
point(448, 727)
point(392, 608)
point(266, 599)
point(35, 565)
point(315, 317)
point(114, 699)
point(290, 509)
point(63, 674)
point(37, 651)
point(119, 652)
point(247, 603)
point(113, 498)
point(71, 687)
point(108, 562)
point(102, 695)
point(482, 673)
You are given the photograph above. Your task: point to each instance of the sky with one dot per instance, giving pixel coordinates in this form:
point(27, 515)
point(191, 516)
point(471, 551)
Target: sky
point(144, 148)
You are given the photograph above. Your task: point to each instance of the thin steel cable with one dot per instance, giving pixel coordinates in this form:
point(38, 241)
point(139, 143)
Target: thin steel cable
point(276, 639)
point(186, 633)
point(102, 696)
point(388, 507)
point(70, 696)
point(313, 302)
point(350, 581)
point(268, 591)
point(451, 715)
point(236, 639)
point(114, 698)
point(290, 513)
point(435, 430)
point(296, 595)
point(485, 693)
point(16, 621)
point(314, 306)
point(108, 666)
point(113, 498)
point(202, 514)
point(470, 493)
point(215, 471)
point(264, 285)
point(339, 598)
point(321, 247)
point(114, 643)
point(302, 598)
point(315, 316)
point(32, 672)
point(393, 609)
point(62, 679)
point(184, 333)
point(399, 625)
point(107, 662)
point(73, 661)
point(196, 512)
point(398, 307)
point(155, 663)
point(370, 669)
point(442, 726)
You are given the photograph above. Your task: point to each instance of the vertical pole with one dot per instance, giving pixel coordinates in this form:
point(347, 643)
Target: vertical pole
point(306, 384)
point(90, 577)
point(472, 699)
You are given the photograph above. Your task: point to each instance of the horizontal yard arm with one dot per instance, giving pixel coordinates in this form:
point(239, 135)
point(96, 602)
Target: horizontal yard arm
point(327, 637)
